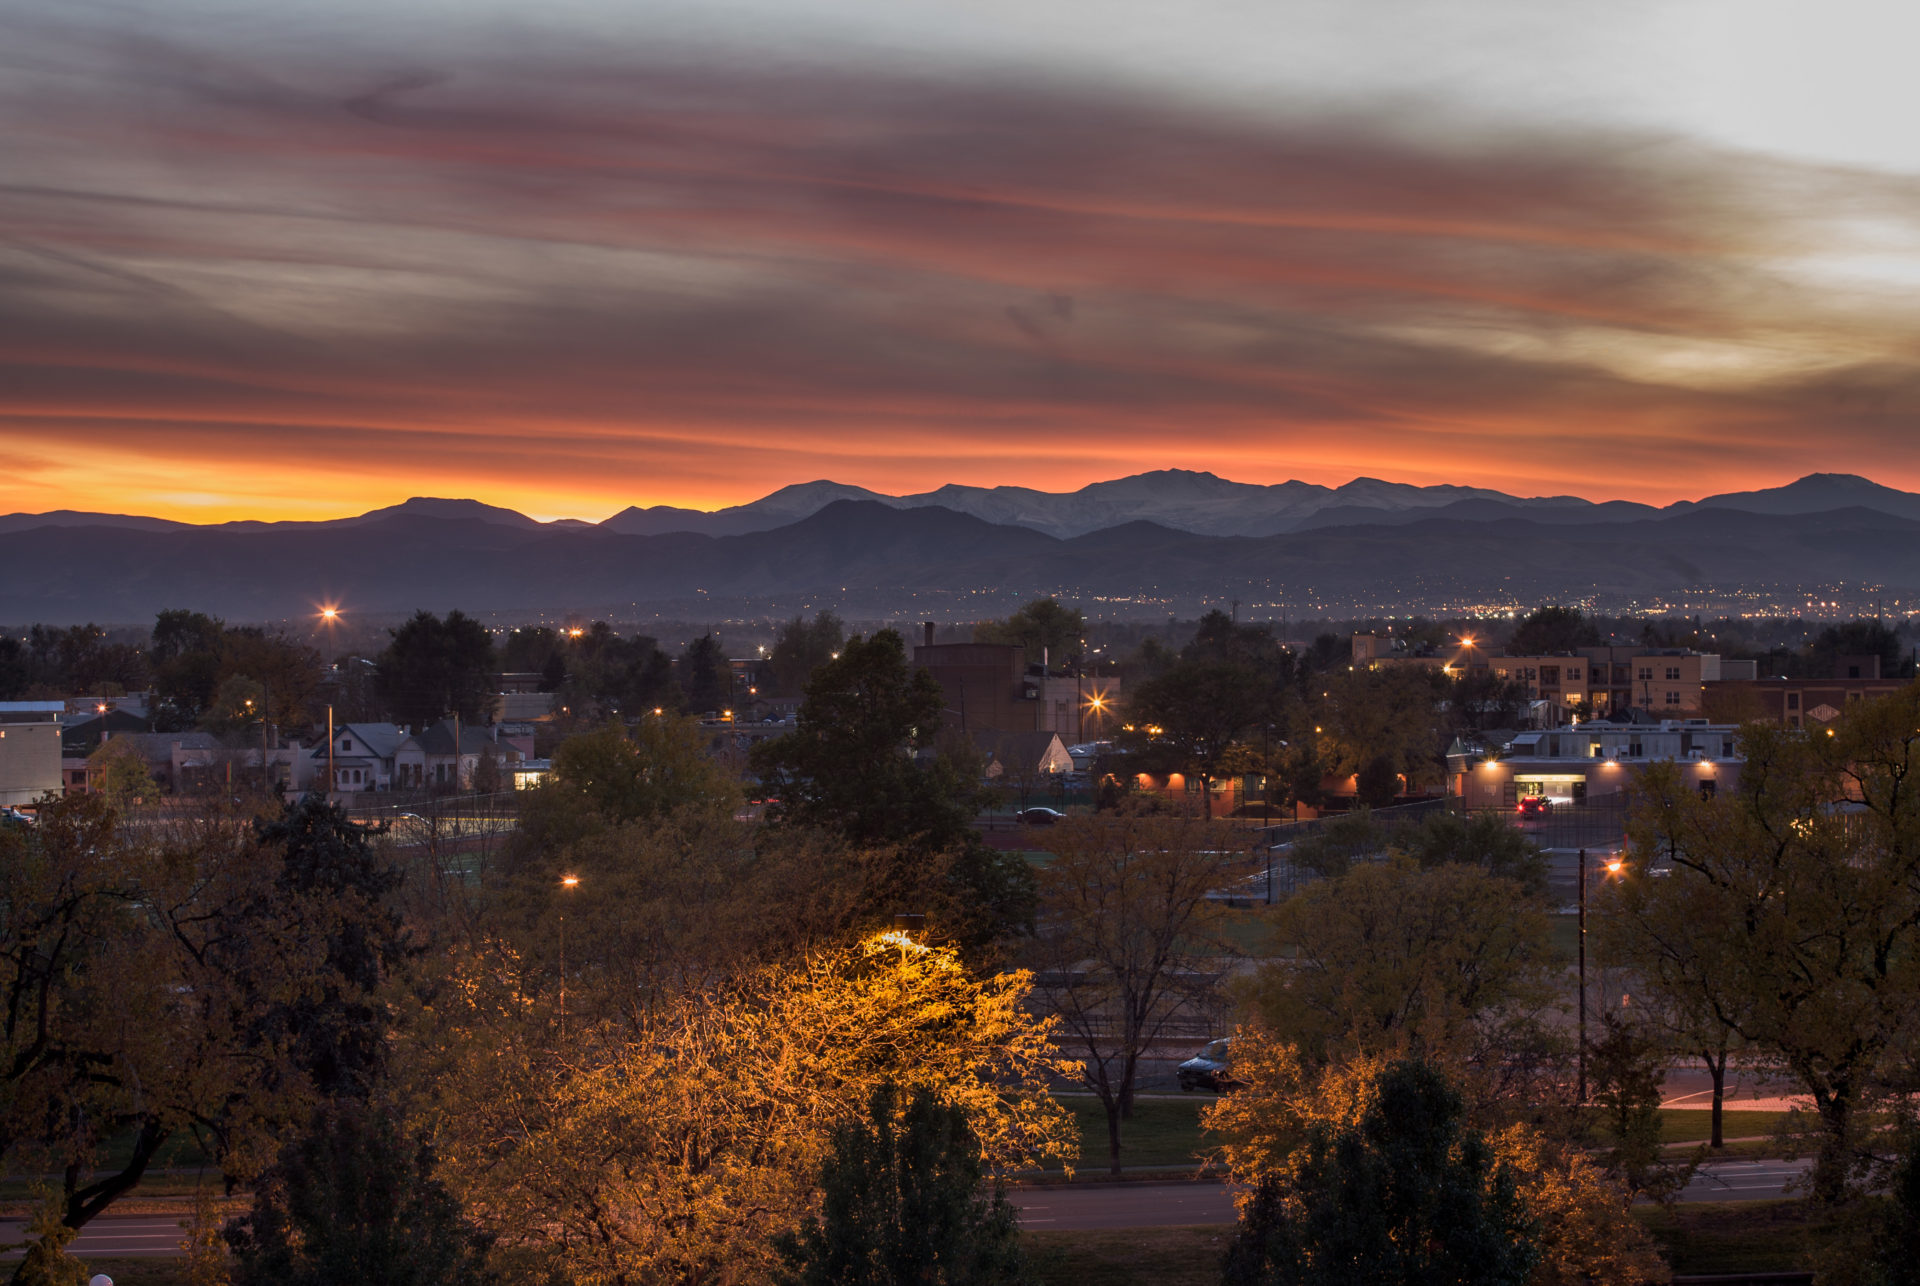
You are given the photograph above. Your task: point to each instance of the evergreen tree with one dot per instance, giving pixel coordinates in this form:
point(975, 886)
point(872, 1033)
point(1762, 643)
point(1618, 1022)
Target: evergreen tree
point(902, 1204)
point(1405, 1194)
point(355, 1201)
point(703, 676)
point(434, 668)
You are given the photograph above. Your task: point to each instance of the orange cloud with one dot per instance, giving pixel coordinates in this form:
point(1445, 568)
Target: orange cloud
point(570, 286)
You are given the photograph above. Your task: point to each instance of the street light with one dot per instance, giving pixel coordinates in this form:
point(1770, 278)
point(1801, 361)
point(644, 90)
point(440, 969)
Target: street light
point(566, 882)
point(1614, 867)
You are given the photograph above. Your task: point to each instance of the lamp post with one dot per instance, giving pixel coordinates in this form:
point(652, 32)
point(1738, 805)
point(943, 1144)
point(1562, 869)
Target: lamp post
point(1613, 868)
point(566, 882)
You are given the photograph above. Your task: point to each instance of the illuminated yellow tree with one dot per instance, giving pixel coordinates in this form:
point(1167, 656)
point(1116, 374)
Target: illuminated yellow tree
point(681, 1154)
point(1585, 1232)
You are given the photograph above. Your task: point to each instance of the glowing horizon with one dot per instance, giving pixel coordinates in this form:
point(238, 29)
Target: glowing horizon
point(256, 272)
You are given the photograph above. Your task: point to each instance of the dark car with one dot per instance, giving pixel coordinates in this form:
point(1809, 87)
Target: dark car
point(1534, 806)
point(1041, 816)
point(1210, 1069)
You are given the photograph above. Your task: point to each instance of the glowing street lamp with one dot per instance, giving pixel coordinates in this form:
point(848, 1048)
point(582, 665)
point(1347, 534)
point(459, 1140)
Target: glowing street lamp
point(566, 882)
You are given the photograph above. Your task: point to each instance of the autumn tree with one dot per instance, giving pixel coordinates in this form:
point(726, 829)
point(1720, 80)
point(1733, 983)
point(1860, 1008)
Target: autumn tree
point(1802, 888)
point(1403, 1190)
point(1128, 941)
point(1267, 1132)
point(684, 1153)
point(1449, 962)
point(904, 1198)
point(118, 773)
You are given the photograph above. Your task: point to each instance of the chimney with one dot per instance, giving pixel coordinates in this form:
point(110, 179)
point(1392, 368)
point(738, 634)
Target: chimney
point(929, 626)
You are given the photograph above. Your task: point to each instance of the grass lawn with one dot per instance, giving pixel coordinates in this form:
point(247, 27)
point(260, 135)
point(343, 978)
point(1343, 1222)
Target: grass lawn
point(1249, 931)
point(1130, 1257)
point(1162, 1132)
point(1735, 1236)
point(1693, 1125)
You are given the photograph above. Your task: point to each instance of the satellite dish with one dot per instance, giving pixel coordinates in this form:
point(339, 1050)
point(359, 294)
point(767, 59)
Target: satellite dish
point(99, 1279)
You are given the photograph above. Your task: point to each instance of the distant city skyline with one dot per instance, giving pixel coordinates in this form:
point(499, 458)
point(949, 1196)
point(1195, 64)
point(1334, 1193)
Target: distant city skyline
point(313, 261)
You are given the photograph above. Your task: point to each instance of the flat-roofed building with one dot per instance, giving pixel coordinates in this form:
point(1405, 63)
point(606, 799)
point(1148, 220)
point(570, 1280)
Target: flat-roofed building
point(1595, 762)
point(29, 758)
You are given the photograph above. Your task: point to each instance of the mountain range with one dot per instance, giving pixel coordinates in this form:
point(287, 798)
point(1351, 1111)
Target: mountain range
point(1137, 546)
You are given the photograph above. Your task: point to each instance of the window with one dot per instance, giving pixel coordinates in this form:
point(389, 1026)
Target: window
point(1853, 672)
point(1573, 674)
point(1646, 672)
point(1793, 700)
point(1633, 750)
point(1673, 698)
point(1673, 673)
point(1550, 674)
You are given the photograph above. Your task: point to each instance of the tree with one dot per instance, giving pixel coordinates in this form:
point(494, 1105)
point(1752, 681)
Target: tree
point(802, 647)
point(1043, 627)
point(901, 1201)
point(851, 764)
point(118, 773)
point(434, 668)
point(354, 1200)
point(1190, 719)
point(624, 775)
point(1626, 1068)
point(1382, 726)
point(1404, 1191)
point(703, 677)
point(684, 1152)
point(1482, 840)
point(1128, 940)
point(1858, 638)
point(1552, 630)
point(1689, 982)
point(1803, 888)
point(861, 763)
point(1584, 1230)
point(1387, 959)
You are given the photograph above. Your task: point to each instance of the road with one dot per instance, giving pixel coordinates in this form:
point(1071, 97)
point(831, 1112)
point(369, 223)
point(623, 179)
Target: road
point(1081, 1206)
point(117, 1236)
point(1162, 1205)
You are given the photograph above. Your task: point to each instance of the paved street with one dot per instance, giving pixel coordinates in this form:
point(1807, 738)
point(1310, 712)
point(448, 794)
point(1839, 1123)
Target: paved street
point(1083, 1206)
point(1161, 1205)
point(1125, 1205)
point(118, 1235)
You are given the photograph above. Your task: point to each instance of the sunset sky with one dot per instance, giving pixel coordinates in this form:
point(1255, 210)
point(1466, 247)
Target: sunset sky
point(301, 260)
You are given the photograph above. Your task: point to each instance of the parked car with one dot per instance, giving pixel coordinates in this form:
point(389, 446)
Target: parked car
point(1042, 816)
point(1534, 806)
point(1210, 1069)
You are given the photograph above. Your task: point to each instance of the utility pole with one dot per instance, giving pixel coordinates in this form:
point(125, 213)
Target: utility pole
point(1582, 877)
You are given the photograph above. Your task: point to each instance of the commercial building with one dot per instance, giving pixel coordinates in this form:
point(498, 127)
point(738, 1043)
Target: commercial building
point(29, 754)
point(1801, 703)
point(988, 687)
point(1595, 762)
